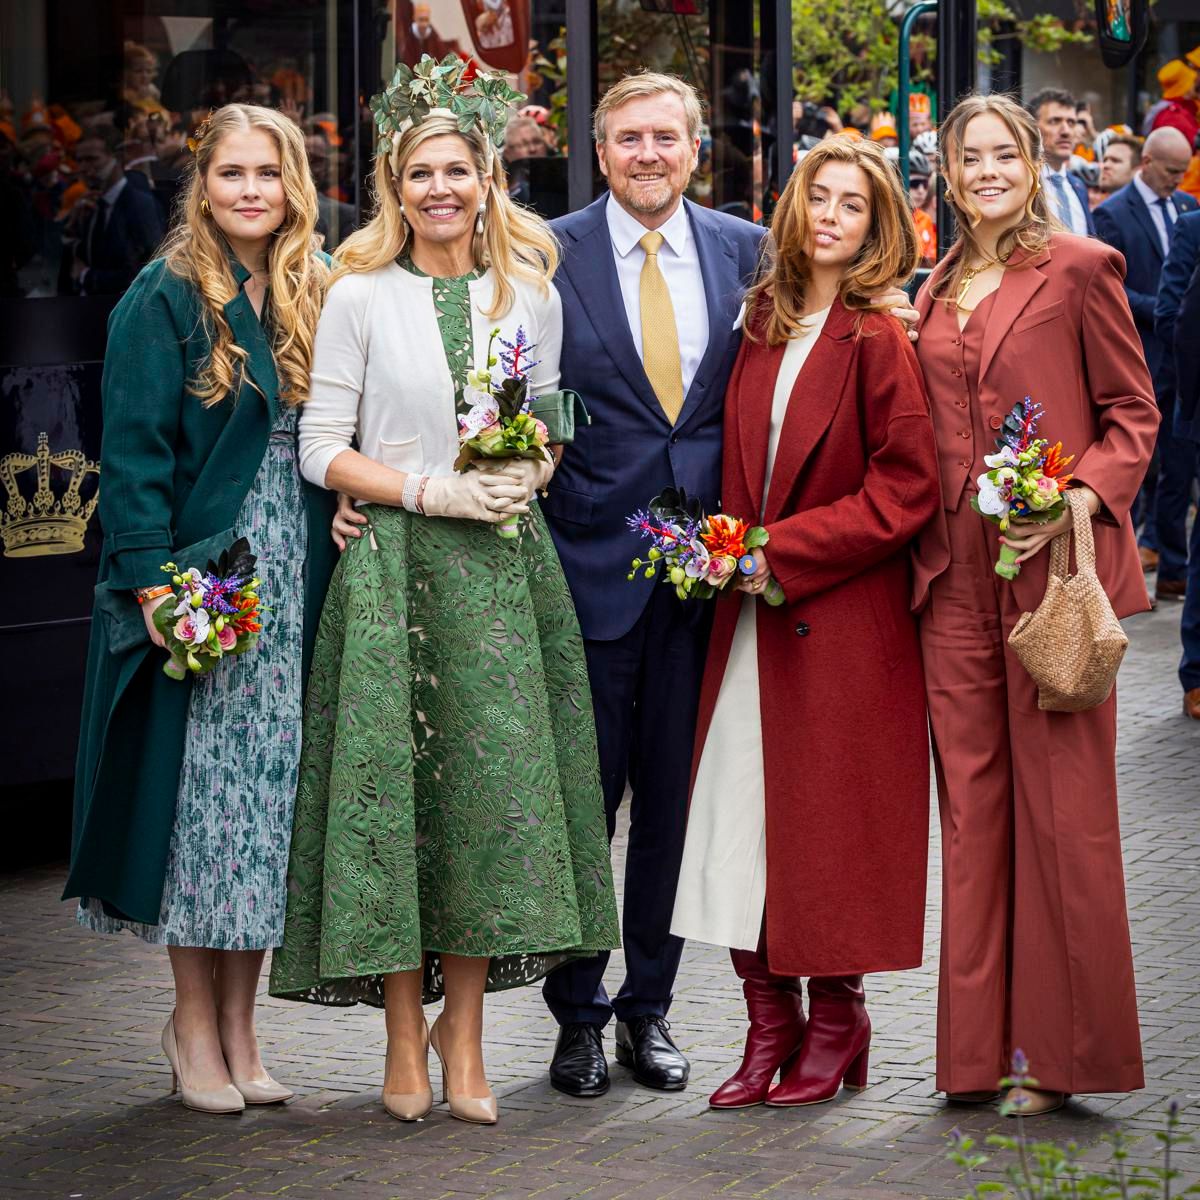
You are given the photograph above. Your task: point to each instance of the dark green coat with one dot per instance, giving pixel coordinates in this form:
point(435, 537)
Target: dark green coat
point(174, 475)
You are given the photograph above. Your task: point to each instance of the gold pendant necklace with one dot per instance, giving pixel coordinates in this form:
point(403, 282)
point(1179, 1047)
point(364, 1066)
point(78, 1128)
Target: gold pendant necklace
point(969, 278)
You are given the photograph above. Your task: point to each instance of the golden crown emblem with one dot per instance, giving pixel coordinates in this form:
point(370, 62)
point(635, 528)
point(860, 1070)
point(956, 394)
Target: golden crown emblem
point(50, 521)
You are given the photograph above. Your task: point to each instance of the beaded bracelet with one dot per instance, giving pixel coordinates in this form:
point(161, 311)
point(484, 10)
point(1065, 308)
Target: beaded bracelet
point(421, 494)
point(408, 494)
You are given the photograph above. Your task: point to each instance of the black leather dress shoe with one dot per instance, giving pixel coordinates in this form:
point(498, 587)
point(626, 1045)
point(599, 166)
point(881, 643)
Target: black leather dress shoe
point(579, 1067)
point(644, 1046)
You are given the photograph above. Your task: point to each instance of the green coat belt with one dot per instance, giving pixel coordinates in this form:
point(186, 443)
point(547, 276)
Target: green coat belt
point(174, 475)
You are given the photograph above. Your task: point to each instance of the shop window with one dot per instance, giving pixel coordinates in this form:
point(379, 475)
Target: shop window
point(99, 100)
point(526, 40)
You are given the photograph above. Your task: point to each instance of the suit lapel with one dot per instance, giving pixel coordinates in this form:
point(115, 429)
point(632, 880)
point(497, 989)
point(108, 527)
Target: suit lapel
point(722, 296)
point(1017, 288)
point(592, 270)
point(814, 399)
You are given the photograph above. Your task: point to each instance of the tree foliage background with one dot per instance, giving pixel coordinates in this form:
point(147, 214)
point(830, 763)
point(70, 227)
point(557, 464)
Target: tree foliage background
point(846, 52)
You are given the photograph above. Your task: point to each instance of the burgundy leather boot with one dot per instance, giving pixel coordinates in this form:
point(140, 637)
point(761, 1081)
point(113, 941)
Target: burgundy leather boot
point(836, 1044)
point(774, 1003)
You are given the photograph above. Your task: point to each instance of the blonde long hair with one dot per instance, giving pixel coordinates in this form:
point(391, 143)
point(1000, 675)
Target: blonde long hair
point(889, 254)
point(515, 243)
point(196, 250)
point(1032, 231)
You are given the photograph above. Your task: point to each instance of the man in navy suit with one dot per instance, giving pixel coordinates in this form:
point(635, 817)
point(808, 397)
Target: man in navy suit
point(1054, 111)
point(118, 223)
point(1177, 323)
point(1140, 221)
point(645, 648)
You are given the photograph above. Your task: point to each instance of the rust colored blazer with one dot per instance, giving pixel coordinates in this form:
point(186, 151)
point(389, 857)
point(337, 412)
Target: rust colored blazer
point(847, 796)
point(1061, 332)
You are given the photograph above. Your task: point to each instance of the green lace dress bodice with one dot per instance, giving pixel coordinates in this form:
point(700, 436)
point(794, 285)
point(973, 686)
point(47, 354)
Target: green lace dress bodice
point(449, 797)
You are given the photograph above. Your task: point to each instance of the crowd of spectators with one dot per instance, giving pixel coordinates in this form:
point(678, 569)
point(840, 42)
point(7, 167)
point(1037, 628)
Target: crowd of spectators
point(87, 186)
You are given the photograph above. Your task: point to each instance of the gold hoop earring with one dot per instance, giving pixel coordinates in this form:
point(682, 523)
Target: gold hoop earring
point(205, 207)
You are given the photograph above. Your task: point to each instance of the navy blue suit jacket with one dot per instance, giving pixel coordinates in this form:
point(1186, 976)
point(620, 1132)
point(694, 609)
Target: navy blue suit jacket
point(1177, 322)
point(1124, 222)
point(630, 452)
point(1080, 190)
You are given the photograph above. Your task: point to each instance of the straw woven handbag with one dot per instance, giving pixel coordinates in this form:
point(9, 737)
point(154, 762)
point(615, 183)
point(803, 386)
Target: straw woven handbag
point(1073, 643)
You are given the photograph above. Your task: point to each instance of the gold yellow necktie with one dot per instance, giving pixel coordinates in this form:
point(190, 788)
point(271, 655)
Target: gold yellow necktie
point(660, 337)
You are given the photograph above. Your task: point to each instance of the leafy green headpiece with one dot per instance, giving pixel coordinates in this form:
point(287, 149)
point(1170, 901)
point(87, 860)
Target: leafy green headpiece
point(450, 88)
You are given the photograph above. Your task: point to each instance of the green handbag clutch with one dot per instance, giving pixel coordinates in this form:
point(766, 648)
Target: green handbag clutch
point(560, 412)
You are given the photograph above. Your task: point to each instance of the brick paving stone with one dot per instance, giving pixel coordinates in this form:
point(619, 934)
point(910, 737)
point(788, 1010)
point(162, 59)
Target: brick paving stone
point(84, 1110)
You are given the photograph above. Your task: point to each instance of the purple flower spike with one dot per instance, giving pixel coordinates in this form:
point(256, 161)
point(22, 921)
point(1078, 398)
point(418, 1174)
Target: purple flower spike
point(1020, 1064)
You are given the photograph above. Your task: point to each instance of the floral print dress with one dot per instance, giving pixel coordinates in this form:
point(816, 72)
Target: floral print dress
point(227, 863)
point(449, 797)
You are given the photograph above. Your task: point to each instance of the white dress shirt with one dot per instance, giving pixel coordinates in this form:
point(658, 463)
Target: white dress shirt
point(1156, 211)
point(679, 261)
point(1075, 218)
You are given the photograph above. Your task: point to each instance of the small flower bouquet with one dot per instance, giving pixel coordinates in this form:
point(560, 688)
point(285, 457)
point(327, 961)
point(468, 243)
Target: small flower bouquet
point(216, 612)
point(499, 423)
point(700, 553)
point(1025, 479)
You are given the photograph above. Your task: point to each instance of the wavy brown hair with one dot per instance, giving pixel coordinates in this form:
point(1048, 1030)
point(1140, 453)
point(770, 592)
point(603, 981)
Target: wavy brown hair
point(515, 243)
point(1032, 231)
point(889, 254)
point(197, 251)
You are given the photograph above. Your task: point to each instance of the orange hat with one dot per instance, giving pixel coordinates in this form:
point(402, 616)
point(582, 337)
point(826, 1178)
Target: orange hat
point(918, 102)
point(849, 132)
point(1176, 79)
point(1193, 57)
point(883, 131)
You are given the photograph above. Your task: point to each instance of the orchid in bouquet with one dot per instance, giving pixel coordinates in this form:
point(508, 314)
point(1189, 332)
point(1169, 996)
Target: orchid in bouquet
point(1025, 478)
point(216, 612)
point(499, 424)
point(700, 553)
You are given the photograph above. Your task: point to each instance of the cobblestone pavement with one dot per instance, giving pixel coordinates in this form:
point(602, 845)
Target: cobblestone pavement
point(84, 1110)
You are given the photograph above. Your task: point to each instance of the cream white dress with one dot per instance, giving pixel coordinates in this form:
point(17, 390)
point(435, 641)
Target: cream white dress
point(723, 879)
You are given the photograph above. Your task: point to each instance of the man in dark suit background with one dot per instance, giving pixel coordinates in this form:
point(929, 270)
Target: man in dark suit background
point(117, 225)
point(1054, 111)
point(1177, 324)
point(1140, 221)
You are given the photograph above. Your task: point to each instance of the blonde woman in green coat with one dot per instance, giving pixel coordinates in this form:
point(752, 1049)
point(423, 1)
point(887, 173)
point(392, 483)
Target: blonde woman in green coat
point(184, 791)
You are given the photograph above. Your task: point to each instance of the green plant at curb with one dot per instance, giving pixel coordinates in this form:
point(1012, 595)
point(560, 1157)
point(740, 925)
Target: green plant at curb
point(1044, 1170)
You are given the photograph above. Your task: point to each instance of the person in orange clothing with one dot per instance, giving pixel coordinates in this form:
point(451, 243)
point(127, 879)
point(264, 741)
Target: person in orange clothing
point(1035, 937)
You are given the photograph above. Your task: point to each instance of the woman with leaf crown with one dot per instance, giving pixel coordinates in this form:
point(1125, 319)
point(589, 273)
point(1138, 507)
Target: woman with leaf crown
point(450, 834)
point(184, 790)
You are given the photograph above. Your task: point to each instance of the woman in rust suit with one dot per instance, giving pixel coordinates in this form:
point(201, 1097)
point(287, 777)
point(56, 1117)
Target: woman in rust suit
point(1035, 938)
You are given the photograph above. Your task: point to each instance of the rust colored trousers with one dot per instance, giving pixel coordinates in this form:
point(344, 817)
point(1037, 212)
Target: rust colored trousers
point(1035, 936)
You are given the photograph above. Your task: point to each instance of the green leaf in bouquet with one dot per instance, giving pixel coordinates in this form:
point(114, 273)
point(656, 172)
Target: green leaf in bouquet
point(755, 537)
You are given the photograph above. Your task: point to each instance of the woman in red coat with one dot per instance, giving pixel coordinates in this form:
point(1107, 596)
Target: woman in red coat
point(807, 831)
point(1035, 939)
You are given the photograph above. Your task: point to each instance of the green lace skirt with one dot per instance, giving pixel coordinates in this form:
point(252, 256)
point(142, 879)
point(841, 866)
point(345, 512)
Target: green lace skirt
point(449, 794)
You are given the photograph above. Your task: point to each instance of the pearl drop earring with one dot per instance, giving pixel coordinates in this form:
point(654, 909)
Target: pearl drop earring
point(479, 219)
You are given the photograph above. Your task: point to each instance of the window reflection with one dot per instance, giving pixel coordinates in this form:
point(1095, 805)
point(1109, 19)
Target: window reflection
point(99, 99)
point(527, 41)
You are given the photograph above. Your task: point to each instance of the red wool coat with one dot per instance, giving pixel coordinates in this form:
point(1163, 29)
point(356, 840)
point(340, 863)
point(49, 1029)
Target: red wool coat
point(841, 691)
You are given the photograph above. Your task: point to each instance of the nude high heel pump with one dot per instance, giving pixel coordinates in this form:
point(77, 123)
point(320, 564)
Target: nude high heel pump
point(474, 1109)
point(225, 1099)
point(263, 1091)
point(408, 1106)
